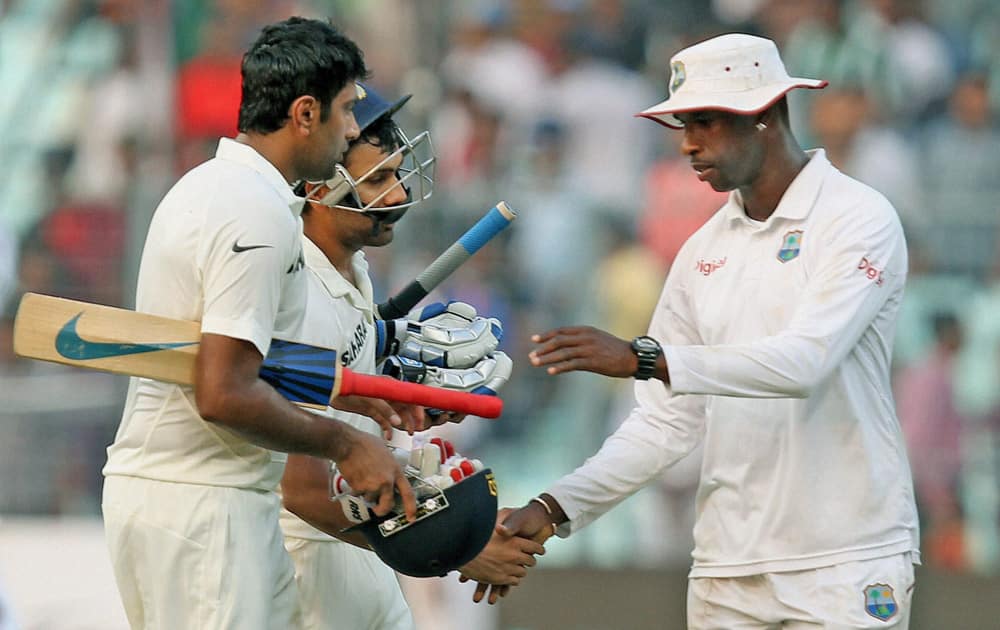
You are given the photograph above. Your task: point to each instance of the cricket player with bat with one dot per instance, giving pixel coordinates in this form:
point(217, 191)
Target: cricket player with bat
point(342, 583)
point(190, 512)
point(772, 345)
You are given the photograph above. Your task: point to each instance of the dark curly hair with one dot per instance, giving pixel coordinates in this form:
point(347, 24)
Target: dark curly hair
point(292, 58)
point(382, 133)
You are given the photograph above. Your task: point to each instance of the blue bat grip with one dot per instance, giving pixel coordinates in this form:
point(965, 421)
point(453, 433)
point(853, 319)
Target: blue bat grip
point(485, 228)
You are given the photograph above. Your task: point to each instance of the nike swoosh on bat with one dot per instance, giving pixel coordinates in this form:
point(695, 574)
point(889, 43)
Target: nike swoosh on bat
point(243, 248)
point(71, 345)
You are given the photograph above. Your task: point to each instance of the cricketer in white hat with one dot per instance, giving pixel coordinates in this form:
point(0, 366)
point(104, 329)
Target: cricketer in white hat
point(771, 343)
point(737, 73)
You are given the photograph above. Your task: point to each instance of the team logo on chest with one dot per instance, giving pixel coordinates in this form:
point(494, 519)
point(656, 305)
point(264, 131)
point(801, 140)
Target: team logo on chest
point(791, 245)
point(880, 602)
point(297, 266)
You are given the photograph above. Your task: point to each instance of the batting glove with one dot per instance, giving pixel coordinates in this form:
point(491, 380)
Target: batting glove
point(440, 335)
point(485, 377)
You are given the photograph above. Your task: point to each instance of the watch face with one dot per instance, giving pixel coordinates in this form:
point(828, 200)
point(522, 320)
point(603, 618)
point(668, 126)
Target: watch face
point(645, 344)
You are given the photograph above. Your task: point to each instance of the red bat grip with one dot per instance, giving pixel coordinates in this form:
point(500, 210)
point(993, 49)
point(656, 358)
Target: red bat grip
point(390, 389)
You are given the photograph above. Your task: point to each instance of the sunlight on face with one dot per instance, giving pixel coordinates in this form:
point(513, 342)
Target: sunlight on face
point(363, 157)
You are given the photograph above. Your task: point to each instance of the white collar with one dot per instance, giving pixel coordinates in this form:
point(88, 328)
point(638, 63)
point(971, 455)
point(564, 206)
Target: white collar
point(246, 155)
point(799, 197)
point(336, 284)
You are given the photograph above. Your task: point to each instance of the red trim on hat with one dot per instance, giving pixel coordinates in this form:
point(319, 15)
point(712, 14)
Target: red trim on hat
point(653, 115)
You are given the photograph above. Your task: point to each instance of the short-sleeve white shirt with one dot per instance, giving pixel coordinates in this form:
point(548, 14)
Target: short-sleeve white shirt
point(778, 338)
point(223, 248)
point(338, 315)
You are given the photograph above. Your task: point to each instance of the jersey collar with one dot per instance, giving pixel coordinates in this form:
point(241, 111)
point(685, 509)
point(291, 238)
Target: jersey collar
point(361, 297)
point(799, 198)
point(246, 155)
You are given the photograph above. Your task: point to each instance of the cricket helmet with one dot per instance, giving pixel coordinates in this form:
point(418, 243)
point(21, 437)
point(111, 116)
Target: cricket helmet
point(416, 173)
point(452, 526)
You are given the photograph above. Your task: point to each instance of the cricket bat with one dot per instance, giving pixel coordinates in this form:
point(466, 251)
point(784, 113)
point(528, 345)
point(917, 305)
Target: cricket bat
point(121, 341)
point(488, 226)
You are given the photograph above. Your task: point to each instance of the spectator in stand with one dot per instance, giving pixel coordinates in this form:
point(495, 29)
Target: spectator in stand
point(554, 264)
point(918, 69)
point(833, 45)
point(608, 147)
point(490, 66)
point(961, 154)
point(932, 426)
point(617, 30)
point(843, 123)
point(208, 93)
point(677, 204)
point(978, 396)
point(984, 47)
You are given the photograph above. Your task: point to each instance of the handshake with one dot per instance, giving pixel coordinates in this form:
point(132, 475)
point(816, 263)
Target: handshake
point(451, 346)
point(518, 537)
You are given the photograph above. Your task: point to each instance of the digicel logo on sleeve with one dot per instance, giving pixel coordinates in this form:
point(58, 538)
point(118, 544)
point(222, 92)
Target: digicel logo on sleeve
point(707, 267)
point(870, 271)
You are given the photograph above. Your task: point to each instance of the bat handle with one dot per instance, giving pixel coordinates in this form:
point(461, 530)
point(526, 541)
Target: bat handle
point(488, 226)
point(352, 383)
point(400, 304)
point(491, 224)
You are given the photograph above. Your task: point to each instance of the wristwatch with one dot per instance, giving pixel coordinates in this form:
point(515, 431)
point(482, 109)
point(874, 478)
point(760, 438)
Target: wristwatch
point(648, 350)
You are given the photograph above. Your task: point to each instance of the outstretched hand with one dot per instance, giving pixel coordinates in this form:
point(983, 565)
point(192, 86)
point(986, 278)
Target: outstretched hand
point(583, 348)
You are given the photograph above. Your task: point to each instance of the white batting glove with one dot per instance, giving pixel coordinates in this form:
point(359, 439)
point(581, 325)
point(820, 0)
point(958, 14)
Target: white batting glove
point(440, 335)
point(485, 377)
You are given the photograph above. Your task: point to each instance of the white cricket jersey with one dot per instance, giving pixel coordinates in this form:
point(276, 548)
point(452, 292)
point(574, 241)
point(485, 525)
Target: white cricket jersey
point(342, 316)
point(777, 336)
point(223, 248)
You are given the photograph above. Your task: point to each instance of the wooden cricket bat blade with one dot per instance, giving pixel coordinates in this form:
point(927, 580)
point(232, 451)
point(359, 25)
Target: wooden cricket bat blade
point(121, 341)
point(106, 338)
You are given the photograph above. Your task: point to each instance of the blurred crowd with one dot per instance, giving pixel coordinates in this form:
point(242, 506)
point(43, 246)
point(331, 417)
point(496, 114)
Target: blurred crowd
point(105, 102)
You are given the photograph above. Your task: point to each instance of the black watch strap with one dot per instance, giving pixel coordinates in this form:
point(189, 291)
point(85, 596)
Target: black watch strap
point(648, 351)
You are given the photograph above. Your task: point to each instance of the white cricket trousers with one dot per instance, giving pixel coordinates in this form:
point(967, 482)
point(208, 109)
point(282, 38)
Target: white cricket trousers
point(198, 557)
point(343, 587)
point(853, 595)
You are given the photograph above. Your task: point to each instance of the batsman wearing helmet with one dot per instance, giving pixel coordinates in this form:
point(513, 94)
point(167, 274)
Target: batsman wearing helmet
point(342, 584)
point(771, 344)
point(190, 513)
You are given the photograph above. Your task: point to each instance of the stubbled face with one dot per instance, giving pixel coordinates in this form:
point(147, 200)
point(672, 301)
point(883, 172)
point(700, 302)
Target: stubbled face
point(352, 229)
point(361, 158)
point(724, 148)
point(330, 138)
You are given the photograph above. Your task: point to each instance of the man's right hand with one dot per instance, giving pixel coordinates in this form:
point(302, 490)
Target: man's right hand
point(504, 559)
point(501, 564)
point(583, 349)
point(530, 521)
point(369, 467)
point(388, 415)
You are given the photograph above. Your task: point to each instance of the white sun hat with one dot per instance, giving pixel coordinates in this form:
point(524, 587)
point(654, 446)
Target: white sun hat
point(735, 73)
